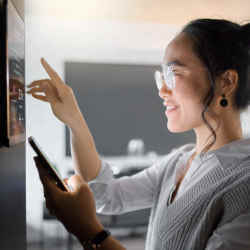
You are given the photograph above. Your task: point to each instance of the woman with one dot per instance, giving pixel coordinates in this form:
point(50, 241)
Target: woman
point(199, 193)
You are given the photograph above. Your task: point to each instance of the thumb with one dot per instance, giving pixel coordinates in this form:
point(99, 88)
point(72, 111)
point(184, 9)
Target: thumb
point(75, 181)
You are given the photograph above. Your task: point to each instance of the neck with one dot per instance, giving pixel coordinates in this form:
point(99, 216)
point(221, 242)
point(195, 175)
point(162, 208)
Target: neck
point(227, 130)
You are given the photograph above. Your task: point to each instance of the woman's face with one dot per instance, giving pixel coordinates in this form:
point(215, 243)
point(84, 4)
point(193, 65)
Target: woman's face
point(191, 86)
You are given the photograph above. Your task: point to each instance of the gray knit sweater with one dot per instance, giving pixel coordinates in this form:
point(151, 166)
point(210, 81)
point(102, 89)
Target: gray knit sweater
point(213, 195)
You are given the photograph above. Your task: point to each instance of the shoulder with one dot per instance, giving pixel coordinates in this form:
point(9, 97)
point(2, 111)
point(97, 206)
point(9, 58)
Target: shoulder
point(185, 148)
point(168, 160)
point(180, 150)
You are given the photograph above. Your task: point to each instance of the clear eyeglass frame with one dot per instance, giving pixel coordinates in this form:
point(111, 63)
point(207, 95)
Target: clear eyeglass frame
point(166, 77)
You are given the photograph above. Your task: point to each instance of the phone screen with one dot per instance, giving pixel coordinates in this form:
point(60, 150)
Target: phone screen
point(50, 167)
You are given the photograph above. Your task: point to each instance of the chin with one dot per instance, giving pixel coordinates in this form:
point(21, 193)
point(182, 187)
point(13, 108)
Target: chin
point(178, 129)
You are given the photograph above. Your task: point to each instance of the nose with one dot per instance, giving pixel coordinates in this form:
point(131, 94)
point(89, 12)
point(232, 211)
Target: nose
point(164, 91)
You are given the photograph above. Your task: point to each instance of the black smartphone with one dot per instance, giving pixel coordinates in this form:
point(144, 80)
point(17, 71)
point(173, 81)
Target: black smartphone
point(53, 172)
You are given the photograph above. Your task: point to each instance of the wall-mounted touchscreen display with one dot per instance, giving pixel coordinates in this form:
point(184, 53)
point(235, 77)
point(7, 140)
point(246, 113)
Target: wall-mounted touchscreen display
point(12, 79)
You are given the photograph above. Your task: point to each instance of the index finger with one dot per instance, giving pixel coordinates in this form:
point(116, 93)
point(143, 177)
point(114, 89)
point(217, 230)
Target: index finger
point(51, 72)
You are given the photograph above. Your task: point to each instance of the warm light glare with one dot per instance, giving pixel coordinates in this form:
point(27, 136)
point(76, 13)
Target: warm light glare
point(159, 11)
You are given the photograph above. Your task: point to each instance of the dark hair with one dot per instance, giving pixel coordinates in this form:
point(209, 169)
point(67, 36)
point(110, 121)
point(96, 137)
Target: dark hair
point(222, 45)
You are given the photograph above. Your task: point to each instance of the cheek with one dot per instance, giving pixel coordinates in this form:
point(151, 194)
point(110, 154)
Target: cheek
point(190, 100)
point(187, 88)
point(190, 94)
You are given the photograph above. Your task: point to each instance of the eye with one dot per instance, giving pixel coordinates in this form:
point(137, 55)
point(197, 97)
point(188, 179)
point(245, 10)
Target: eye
point(176, 72)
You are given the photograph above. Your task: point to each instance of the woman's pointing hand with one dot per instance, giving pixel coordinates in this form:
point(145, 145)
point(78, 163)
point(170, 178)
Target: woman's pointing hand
point(60, 96)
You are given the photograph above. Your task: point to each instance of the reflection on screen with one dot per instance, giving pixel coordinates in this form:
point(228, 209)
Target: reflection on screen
point(16, 73)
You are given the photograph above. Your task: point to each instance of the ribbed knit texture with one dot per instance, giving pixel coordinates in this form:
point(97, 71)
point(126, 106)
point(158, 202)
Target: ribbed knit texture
point(189, 221)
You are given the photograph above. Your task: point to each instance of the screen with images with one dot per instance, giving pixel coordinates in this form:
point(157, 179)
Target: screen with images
point(16, 52)
point(12, 76)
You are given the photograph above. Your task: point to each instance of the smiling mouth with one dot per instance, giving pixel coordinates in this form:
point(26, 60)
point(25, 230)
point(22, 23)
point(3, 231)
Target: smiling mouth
point(170, 111)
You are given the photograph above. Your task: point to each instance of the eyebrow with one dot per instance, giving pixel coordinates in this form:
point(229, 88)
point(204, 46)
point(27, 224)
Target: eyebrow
point(176, 63)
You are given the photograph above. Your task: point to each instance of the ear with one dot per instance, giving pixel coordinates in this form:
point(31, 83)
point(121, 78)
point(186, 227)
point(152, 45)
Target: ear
point(229, 82)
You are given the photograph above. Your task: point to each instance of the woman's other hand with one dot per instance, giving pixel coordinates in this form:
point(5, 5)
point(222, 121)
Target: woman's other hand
point(60, 96)
point(73, 182)
point(76, 209)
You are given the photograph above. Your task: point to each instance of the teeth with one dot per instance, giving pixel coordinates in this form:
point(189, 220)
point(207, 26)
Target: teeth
point(170, 107)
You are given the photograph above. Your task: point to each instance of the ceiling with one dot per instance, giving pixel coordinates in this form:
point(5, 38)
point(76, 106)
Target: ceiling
point(177, 12)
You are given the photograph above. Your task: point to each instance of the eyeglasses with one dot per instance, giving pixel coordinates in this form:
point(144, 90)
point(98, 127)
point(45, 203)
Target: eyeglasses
point(165, 77)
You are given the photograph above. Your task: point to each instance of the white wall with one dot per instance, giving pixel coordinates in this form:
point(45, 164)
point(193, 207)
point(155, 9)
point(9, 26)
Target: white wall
point(58, 40)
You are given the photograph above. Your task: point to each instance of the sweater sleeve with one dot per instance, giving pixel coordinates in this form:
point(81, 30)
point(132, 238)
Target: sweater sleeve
point(232, 236)
point(128, 193)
